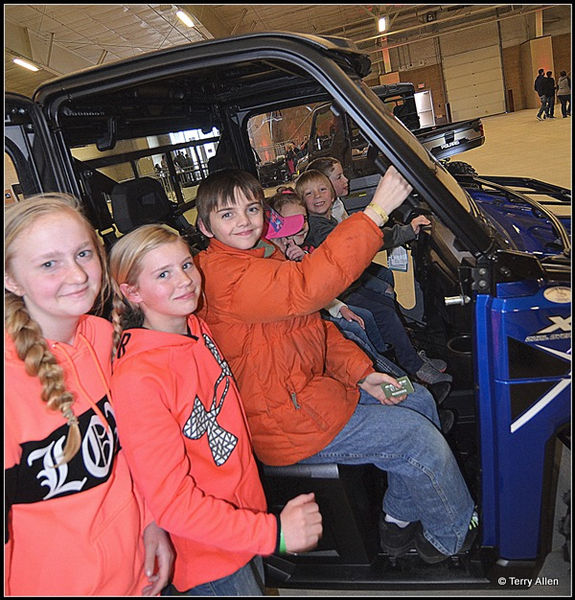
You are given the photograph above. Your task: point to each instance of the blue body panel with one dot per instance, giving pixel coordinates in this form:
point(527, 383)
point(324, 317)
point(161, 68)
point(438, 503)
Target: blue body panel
point(528, 229)
point(523, 365)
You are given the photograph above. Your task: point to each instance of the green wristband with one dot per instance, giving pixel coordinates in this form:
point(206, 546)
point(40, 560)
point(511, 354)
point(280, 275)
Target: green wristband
point(283, 548)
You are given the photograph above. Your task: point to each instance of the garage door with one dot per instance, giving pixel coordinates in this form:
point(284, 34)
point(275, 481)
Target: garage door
point(474, 83)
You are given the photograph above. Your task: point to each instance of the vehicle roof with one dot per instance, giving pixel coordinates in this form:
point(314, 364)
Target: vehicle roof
point(248, 71)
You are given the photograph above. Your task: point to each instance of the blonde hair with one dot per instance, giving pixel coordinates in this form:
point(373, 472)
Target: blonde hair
point(312, 176)
point(125, 265)
point(26, 333)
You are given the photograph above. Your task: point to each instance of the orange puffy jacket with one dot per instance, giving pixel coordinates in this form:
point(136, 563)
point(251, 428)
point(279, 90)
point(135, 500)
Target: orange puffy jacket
point(296, 372)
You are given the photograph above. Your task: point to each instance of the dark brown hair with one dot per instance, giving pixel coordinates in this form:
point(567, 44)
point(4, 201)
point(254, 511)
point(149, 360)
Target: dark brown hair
point(221, 188)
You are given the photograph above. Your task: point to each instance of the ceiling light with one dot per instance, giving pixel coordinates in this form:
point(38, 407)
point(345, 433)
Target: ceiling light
point(25, 64)
point(382, 24)
point(185, 18)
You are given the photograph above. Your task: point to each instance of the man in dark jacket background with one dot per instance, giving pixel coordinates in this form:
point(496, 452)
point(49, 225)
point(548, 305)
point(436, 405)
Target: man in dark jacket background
point(538, 86)
point(548, 87)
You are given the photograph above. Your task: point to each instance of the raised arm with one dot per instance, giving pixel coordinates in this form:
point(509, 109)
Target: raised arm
point(390, 193)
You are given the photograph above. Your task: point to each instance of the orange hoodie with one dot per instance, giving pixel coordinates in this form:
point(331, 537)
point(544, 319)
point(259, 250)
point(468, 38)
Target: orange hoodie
point(186, 440)
point(74, 530)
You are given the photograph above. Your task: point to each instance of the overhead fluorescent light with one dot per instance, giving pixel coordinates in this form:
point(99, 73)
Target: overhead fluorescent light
point(382, 24)
point(185, 18)
point(25, 64)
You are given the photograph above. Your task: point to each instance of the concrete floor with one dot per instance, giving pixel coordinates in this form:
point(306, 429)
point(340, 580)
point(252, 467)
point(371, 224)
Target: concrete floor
point(519, 145)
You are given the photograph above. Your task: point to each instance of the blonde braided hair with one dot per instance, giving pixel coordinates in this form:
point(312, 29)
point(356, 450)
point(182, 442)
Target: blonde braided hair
point(26, 333)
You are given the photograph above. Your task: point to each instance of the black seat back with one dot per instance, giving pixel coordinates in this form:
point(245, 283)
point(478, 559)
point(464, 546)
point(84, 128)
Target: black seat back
point(349, 498)
point(139, 202)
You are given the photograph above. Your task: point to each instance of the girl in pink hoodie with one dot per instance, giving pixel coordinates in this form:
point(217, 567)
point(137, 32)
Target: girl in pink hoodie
point(75, 525)
point(183, 427)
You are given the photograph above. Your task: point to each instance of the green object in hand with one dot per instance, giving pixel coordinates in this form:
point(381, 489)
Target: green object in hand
point(391, 391)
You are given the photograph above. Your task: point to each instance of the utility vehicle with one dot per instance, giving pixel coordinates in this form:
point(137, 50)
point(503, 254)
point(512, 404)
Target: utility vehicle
point(494, 273)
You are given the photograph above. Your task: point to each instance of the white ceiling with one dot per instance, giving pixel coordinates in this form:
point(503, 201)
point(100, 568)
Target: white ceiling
point(62, 38)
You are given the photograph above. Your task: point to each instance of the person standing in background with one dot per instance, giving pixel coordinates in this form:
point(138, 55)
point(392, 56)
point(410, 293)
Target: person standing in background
point(291, 160)
point(564, 93)
point(548, 85)
point(538, 86)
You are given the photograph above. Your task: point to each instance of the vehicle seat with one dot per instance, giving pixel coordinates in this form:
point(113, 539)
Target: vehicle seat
point(224, 158)
point(349, 498)
point(139, 202)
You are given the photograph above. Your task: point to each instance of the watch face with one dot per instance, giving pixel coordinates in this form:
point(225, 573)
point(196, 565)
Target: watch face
point(559, 294)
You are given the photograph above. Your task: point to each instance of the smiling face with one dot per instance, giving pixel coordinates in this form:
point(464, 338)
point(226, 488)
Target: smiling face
point(318, 195)
point(56, 269)
point(168, 287)
point(238, 225)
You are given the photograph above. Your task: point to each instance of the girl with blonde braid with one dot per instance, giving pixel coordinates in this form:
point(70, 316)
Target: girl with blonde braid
point(74, 523)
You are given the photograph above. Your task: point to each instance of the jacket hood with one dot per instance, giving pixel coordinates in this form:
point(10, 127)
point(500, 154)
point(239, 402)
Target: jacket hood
point(143, 340)
point(86, 331)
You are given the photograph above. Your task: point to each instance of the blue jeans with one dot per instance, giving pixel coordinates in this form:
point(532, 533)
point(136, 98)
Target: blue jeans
point(565, 104)
point(247, 581)
point(550, 106)
point(389, 325)
point(367, 339)
point(543, 100)
point(371, 330)
point(424, 480)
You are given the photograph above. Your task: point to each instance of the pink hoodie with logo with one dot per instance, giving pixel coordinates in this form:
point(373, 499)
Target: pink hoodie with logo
point(186, 439)
point(73, 530)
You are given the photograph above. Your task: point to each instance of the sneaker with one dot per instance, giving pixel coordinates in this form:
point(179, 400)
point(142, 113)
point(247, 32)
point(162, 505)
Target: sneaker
point(446, 419)
point(440, 391)
point(471, 534)
point(431, 555)
point(539, 119)
point(395, 540)
point(436, 363)
point(427, 374)
point(427, 551)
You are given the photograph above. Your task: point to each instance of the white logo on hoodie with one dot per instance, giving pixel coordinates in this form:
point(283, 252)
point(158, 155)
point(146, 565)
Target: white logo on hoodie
point(97, 453)
point(202, 421)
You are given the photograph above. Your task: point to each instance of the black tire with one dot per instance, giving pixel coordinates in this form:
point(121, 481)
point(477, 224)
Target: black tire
point(459, 167)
